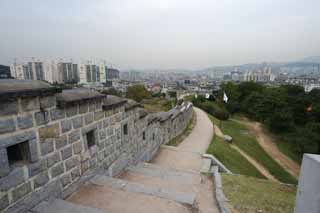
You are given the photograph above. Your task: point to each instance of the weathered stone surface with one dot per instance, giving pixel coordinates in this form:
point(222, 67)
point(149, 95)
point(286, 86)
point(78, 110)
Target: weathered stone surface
point(25, 121)
point(74, 136)
point(57, 170)
point(21, 191)
point(66, 126)
point(102, 134)
point(53, 159)
point(77, 122)
point(88, 118)
point(92, 106)
point(4, 202)
point(98, 115)
point(41, 179)
point(61, 141)
point(50, 131)
point(83, 108)
point(15, 178)
point(7, 125)
point(47, 102)
point(29, 104)
point(66, 152)
point(4, 168)
point(37, 167)
point(57, 114)
point(65, 179)
point(77, 147)
point(71, 163)
point(41, 117)
point(75, 173)
point(8, 107)
point(84, 166)
point(71, 110)
point(47, 146)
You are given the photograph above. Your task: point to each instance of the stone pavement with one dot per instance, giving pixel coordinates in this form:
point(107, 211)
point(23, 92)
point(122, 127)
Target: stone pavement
point(171, 182)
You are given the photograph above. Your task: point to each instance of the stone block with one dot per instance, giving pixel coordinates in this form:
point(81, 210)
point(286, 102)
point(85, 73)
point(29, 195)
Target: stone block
point(74, 136)
point(66, 152)
point(21, 191)
point(77, 122)
point(71, 110)
point(88, 118)
point(65, 179)
point(41, 180)
point(53, 159)
point(9, 107)
point(14, 178)
point(25, 121)
point(41, 117)
point(84, 166)
point(29, 104)
point(75, 173)
point(77, 147)
point(4, 202)
point(57, 170)
point(47, 146)
point(47, 102)
point(71, 163)
point(50, 131)
point(61, 141)
point(92, 106)
point(57, 114)
point(83, 108)
point(37, 167)
point(7, 125)
point(106, 122)
point(102, 134)
point(66, 125)
point(98, 115)
point(4, 168)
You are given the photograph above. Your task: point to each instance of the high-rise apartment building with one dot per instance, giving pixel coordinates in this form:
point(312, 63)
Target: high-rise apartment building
point(33, 70)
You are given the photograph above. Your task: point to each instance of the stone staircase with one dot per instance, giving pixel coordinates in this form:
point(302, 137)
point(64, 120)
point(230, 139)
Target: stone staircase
point(142, 188)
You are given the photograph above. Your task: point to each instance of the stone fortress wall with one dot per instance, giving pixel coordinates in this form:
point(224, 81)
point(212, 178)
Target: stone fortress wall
point(52, 141)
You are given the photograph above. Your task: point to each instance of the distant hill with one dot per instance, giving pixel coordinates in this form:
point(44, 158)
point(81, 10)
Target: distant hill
point(312, 59)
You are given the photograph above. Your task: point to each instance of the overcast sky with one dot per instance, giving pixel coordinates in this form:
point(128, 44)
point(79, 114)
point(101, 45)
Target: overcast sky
point(161, 34)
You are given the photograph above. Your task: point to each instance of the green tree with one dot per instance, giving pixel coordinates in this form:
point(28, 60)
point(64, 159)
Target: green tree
point(137, 92)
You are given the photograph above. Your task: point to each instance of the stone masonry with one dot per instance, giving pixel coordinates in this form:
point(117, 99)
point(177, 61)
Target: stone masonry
point(52, 141)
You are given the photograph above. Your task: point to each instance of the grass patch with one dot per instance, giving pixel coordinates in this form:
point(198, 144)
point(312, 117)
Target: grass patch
point(248, 194)
point(290, 150)
point(245, 141)
point(157, 104)
point(231, 158)
point(178, 139)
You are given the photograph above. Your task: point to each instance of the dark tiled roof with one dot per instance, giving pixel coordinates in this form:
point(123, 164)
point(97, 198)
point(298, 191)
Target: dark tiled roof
point(77, 95)
point(112, 102)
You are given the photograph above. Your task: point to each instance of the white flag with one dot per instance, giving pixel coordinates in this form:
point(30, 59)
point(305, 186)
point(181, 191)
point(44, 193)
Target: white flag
point(207, 95)
point(225, 97)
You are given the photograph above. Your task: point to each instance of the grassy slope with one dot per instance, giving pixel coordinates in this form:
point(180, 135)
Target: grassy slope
point(178, 139)
point(248, 195)
point(231, 158)
point(157, 104)
point(248, 144)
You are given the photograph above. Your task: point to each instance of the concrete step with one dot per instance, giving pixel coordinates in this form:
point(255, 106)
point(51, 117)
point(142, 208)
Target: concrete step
point(57, 206)
point(167, 174)
point(181, 197)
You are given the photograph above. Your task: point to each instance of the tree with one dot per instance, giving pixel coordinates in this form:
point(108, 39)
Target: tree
point(111, 91)
point(138, 93)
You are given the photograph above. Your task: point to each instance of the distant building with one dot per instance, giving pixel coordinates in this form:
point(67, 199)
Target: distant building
point(5, 72)
point(92, 73)
point(264, 75)
point(33, 70)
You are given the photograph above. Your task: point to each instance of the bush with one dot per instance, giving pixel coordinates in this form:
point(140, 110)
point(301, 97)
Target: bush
point(138, 93)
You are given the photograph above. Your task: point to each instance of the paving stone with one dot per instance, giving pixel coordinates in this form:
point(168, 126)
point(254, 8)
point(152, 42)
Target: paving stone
point(77, 122)
point(66, 152)
point(25, 121)
point(66, 126)
point(14, 178)
point(41, 117)
point(41, 179)
point(57, 170)
point(21, 191)
point(7, 125)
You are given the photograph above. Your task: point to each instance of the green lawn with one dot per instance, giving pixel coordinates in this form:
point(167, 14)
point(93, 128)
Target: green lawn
point(248, 194)
point(157, 104)
point(289, 149)
point(231, 158)
point(245, 141)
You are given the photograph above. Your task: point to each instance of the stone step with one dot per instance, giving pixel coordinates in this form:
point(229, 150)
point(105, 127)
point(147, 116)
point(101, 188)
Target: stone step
point(181, 197)
point(206, 165)
point(58, 205)
point(168, 174)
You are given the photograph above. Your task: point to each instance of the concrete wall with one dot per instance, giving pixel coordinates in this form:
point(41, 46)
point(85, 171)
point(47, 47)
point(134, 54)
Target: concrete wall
point(308, 194)
point(59, 158)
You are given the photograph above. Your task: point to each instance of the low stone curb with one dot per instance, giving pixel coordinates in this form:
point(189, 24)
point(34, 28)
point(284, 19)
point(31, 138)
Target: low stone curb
point(216, 162)
point(218, 193)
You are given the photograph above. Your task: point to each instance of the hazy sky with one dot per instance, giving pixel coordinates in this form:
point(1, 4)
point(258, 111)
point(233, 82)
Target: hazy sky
point(162, 33)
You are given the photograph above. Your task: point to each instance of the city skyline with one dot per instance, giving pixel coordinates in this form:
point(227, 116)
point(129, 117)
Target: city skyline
point(164, 34)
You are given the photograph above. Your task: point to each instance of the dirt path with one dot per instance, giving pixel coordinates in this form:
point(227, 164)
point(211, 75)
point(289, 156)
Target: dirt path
point(268, 144)
point(258, 166)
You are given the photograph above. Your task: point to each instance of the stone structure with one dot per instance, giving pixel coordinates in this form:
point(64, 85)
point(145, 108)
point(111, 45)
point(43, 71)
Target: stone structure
point(52, 141)
point(308, 193)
